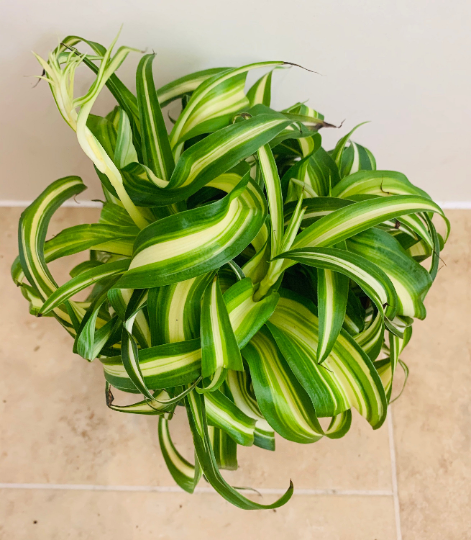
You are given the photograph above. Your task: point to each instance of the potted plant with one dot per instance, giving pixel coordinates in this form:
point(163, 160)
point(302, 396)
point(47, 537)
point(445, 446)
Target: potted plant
point(238, 269)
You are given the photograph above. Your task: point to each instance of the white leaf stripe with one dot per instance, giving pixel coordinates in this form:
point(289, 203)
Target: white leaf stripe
point(224, 414)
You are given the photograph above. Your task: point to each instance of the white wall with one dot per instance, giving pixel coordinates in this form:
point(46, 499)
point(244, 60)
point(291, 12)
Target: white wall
point(403, 64)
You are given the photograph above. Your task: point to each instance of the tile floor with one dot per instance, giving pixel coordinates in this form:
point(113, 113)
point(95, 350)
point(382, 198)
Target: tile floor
point(71, 468)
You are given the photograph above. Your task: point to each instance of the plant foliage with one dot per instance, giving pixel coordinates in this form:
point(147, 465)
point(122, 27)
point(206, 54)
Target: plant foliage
point(238, 269)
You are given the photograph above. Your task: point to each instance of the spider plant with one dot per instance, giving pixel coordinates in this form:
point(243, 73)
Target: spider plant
point(238, 269)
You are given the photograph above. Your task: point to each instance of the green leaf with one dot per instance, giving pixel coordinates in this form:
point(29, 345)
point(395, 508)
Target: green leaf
point(197, 241)
point(410, 280)
point(224, 414)
point(155, 144)
point(379, 183)
point(347, 378)
point(82, 281)
point(220, 351)
point(211, 157)
point(174, 310)
point(355, 218)
point(183, 472)
point(236, 266)
point(275, 199)
point(224, 448)
point(260, 92)
point(340, 146)
point(370, 277)
point(282, 400)
point(32, 234)
point(239, 387)
point(185, 85)
point(208, 92)
point(356, 157)
point(332, 295)
point(207, 460)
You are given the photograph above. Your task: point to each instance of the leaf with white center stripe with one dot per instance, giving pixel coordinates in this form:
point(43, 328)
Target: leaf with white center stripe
point(371, 338)
point(91, 337)
point(82, 281)
point(32, 234)
point(125, 152)
point(339, 425)
point(247, 315)
point(183, 472)
point(129, 351)
point(260, 92)
point(217, 109)
point(159, 406)
point(313, 175)
point(379, 183)
point(172, 364)
point(120, 92)
point(162, 366)
point(224, 448)
point(411, 280)
point(275, 198)
point(337, 152)
point(370, 277)
point(211, 157)
point(355, 218)
point(119, 300)
point(224, 414)
point(174, 310)
point(281, 398)
point(332, 295)
point(239, 387)
point(308, 144)
point(316, 208)
point(220, 351)
point(205, 454)
point(212, 90)
point(347, 378)
point(155, 144)
point(202, 256)
point(356, 157)
point(186, 85)
point(197, 241)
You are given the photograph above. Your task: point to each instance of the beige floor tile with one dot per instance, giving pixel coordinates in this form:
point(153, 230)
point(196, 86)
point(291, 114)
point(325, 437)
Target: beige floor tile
point(55, 426)
point(57, 515)
point(433, 417)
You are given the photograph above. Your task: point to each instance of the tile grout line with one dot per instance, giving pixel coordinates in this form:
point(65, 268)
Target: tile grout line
point(176, 489)
point(395, 492)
